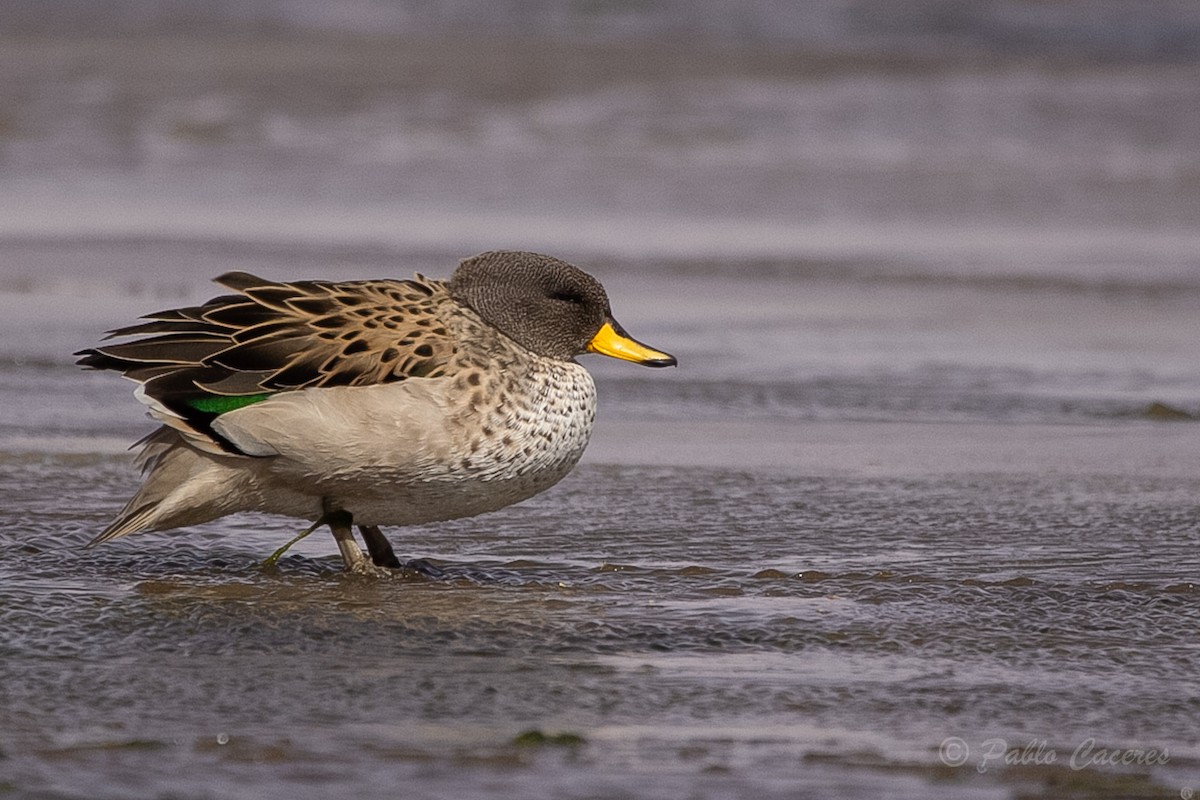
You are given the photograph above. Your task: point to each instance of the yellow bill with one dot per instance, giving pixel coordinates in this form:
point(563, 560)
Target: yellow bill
point(612, 340)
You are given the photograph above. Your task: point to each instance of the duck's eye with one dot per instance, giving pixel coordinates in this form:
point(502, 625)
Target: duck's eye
point(567, 297)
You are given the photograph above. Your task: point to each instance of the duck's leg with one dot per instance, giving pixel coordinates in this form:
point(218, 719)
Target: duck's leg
point(379, 547)
point(341, 523)
point(383, 555)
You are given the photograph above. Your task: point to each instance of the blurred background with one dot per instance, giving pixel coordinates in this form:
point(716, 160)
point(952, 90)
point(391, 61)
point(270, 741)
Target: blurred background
point(1008, 136)
point(913, 207)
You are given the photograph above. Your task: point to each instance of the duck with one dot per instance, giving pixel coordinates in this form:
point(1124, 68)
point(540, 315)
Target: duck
point(366, 403)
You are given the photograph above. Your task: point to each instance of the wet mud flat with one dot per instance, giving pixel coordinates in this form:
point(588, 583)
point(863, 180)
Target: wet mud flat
point(657, 630)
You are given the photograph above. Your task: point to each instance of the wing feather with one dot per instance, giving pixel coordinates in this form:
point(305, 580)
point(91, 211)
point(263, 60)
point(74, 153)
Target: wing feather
point(273, 337)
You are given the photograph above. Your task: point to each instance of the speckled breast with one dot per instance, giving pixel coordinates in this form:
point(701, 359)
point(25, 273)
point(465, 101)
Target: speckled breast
point(520, 430)
point(514, 431)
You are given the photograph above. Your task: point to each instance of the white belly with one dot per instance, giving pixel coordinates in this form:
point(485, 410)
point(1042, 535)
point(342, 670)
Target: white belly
point(414, 452)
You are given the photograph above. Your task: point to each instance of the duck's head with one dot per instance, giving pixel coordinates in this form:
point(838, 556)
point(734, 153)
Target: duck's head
point(547, 306)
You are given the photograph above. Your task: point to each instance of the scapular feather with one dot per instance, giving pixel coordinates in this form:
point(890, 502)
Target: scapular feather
point(272, 337)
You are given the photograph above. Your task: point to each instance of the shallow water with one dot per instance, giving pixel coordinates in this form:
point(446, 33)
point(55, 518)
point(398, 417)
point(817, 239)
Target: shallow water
point(923, 489)
point(800, 600)
point(763, 631)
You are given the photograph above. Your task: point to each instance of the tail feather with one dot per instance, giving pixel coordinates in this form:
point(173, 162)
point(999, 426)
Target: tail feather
point(183, 486)
point(130, 520)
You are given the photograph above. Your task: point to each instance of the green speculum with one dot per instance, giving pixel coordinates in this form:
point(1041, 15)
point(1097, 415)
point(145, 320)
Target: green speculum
point(219, 404)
